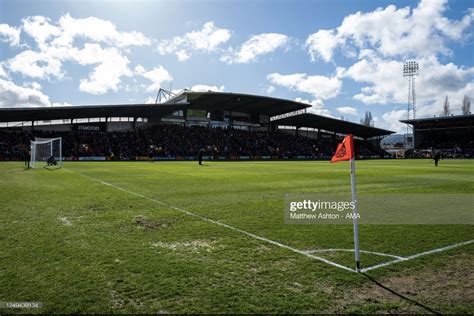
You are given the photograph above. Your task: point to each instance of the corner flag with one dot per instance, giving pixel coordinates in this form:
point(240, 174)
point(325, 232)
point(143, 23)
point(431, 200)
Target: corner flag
point(345, 151)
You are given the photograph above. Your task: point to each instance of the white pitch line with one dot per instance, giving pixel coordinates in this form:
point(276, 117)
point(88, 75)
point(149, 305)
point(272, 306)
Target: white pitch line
point(352, 250)
point(305, 253)
point(425, 253)
point(276, 243)
point(381, 265)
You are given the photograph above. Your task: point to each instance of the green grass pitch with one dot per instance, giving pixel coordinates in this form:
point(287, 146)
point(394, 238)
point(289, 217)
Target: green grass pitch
point(77, 244)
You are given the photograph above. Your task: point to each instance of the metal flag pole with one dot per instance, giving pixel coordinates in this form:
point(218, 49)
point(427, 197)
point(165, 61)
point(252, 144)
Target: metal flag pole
point(355, 215)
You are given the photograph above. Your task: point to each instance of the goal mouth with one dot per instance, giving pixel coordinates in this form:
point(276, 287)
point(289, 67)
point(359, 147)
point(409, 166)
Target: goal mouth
point(46, 153)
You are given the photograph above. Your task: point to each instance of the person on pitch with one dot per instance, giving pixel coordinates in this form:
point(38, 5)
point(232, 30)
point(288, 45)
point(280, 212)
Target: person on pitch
point(200, 154)
point(27, 157)
point(436, 158)
point(151, 155)
point(51, 161)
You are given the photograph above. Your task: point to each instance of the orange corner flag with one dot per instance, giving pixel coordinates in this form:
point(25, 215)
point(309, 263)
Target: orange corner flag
point(345, 150)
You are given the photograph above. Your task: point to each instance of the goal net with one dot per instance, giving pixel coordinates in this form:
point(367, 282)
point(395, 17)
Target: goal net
point(46, 152)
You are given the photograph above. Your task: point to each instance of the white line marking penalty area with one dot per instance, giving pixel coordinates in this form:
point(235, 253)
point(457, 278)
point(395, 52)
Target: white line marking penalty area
point(276, 243)
point(308, 253)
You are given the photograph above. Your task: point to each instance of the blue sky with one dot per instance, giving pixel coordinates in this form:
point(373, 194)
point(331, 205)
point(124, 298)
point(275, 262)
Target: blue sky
point(343, 57)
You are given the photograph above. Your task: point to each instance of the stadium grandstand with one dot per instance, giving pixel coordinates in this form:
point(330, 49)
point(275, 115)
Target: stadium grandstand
point(228, 126)
point(453, 136)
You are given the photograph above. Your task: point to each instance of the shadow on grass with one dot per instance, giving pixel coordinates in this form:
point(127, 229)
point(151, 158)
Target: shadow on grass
point(51, 168)
point(403, 297)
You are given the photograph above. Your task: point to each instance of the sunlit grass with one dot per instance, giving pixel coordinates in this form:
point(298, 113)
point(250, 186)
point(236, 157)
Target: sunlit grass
point(78, 245)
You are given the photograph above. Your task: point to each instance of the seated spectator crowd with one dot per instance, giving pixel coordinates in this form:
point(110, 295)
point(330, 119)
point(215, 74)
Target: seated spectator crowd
point(177, 141)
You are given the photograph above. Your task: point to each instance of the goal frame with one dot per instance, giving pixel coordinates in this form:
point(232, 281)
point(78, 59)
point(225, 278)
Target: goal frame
point(43, 141)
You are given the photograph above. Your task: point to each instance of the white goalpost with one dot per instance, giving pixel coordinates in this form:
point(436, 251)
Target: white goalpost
point(46, 152)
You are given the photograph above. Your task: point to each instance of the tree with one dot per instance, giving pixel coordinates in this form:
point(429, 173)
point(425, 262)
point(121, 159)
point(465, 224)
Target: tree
point(446, 111)
point(466, 105)
point(367, 120)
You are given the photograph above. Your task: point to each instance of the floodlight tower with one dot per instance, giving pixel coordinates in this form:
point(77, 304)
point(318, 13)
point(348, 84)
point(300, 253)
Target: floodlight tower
point(410, 70)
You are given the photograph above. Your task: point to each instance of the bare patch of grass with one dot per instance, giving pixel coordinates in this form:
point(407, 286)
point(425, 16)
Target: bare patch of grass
point(65, 221)
point(148, 223)
point(194, 245)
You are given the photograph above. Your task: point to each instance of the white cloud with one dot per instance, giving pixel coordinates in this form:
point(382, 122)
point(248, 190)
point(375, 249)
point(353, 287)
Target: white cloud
point(157, 76)
point(391, 121)
point(68, 29)
point(207, 40)
point(40, 29)
point(206, 88)
point(2, 71)
point(402, 32)
point(139, 69)
point(30, 95)
point(257, 45)
point(36, 64)
point(182, 55)
point(269, 89)
point(33, 85)
point(435, 106)
point(382, 40)
point(12, 95)
point(317, 107)
point(56, 45)
point(320, 87)
point(437, 80)
point(347, 110)
point(97, 30)
point(387, 85)
point(111, 65)
point(9, 34)
point(321, 44)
